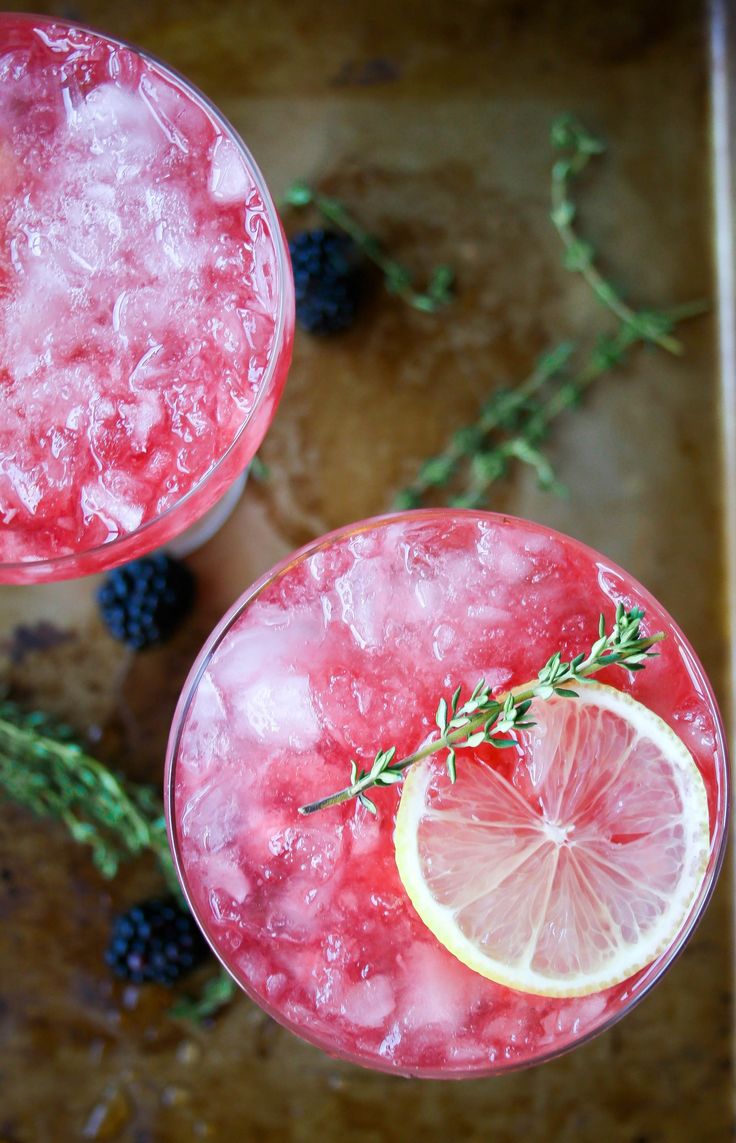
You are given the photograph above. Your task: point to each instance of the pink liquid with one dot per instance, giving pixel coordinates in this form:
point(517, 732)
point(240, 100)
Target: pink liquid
point(145, 302)
point(346, 648)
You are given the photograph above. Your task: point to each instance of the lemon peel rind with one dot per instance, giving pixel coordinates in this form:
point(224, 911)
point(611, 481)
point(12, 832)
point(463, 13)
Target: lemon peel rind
point(439, 918)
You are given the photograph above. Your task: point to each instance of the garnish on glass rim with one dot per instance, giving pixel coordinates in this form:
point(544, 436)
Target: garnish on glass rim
point(481, 717)
point(579, 870)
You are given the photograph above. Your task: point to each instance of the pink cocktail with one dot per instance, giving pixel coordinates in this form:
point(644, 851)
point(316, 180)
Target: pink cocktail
point(345, 648)
point(146, 304)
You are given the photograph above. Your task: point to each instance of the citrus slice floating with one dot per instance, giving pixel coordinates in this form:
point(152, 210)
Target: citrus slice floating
point(571, 865)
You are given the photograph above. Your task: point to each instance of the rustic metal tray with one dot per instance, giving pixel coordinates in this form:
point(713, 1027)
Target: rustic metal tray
point(432, 123)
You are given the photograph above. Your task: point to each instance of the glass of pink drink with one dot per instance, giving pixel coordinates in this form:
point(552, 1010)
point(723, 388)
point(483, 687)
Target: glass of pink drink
point(343, 648)
point(146, 302)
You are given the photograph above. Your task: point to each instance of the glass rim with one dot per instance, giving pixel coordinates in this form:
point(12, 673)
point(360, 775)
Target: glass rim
point(284, 289)
point(645, 979)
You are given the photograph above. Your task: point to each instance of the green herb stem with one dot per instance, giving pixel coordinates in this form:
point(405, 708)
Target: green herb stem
point(513, 423)
point(502, 411)
point(598, 284)
point(53, 778)
point(397, 278)
point(217, 992)
point(483, 717)
point(522, 418)
point(570, 136)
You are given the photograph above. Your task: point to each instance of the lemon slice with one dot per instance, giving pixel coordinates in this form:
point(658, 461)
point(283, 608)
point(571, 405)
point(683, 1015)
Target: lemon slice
point(571, 864)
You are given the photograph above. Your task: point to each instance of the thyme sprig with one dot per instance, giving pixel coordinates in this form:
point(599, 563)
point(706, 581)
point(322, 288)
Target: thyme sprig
point(215, 994)
point(398, 279)
point(579, 147)
point(514, 422)
point(505, 412)
point(44, 770)
point(485, 719)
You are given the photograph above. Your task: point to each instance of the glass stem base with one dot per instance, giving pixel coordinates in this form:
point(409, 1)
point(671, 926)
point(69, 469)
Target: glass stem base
point(197, 534)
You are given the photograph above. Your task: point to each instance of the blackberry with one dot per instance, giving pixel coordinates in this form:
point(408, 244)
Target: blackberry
point(155, 942)
point(326, 280)
point(142, 602)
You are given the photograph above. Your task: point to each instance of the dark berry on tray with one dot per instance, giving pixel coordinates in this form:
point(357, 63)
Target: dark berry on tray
point(326, 280)
point(156, 941)
point(143, 602)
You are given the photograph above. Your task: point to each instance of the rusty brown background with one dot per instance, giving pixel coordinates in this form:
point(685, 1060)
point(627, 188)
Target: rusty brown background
point(431, 121)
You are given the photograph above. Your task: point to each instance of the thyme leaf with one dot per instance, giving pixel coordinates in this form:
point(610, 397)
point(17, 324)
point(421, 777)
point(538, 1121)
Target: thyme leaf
point(483, 718)
point(43, 769)
point(514, 423)
point(397, 278)
point(215, 994)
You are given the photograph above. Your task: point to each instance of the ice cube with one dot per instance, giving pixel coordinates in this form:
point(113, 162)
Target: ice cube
point(362, 603)
point(352, 701)
point(255, 670)
point(206, 739)
point(391, 1041)
point(115, 502)
point(208, 705)
point(311, 852)
point(140, 418)
point(695, 725)
point(469, 1054)
point(590, 1008)
point(26, 484)
point(212, 818)
point(437, 990)
point(275, 984)
point(269, 636)
point(294, 917)
point(109, 118)
point(503, 554)
point(369, 1003)
point(366, 832)
point(223, 875)
point(508, 1028)
point(165, 104)
point(489, 616)
point(13, 69)
point(229, 178)
point(443, 639)
point(568, 1018)
point(254, 967)
point(279, 711)
point(431, 595)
